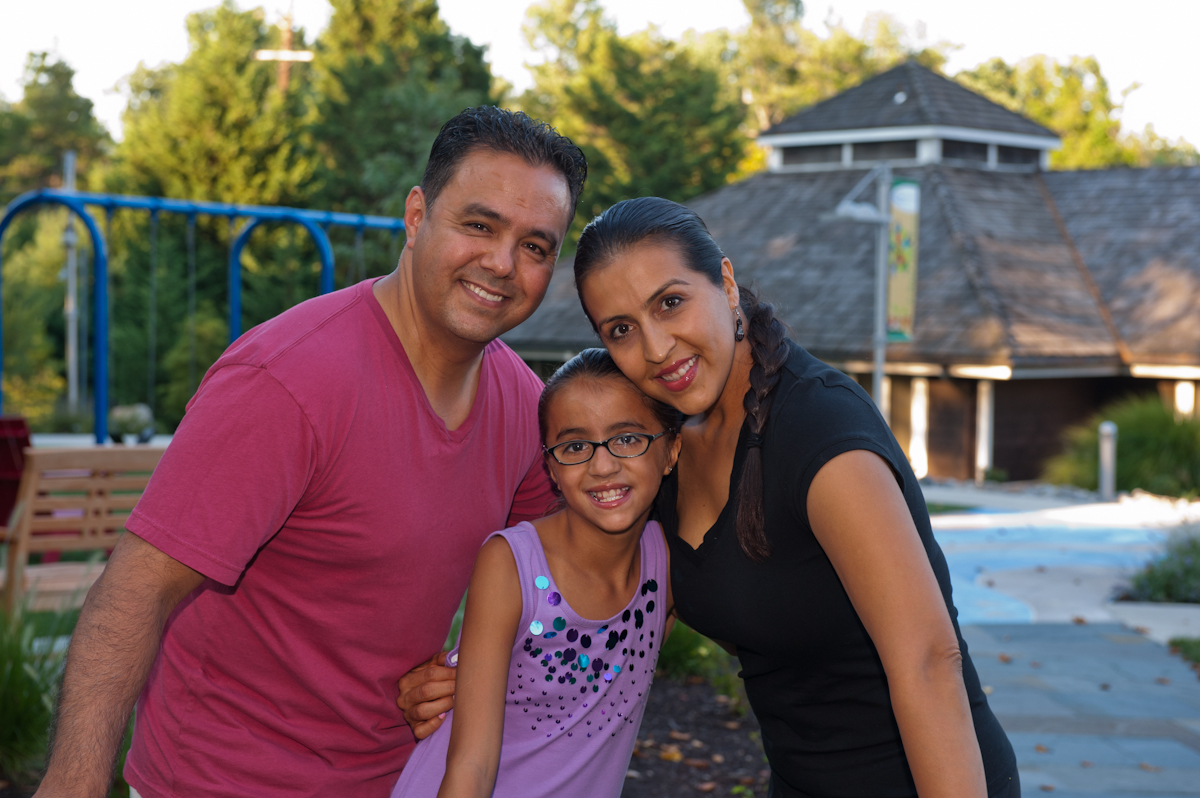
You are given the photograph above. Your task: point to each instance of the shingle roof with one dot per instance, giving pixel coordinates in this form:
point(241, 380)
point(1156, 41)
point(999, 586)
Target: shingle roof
point(1138, 230)
point(997, 283)
point(930, 100)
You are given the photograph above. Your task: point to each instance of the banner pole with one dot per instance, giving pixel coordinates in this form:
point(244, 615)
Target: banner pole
point(883, 189)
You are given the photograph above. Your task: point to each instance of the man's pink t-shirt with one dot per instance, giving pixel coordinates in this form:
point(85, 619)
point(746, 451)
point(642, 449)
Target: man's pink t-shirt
point(337, 520)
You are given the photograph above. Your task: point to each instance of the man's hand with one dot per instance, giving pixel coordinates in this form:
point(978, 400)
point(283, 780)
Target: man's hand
point(426, 695)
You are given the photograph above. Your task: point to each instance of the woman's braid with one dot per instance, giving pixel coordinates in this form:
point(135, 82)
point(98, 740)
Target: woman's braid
point(768, 347)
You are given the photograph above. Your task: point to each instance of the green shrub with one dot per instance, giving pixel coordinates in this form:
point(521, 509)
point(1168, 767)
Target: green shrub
point(1186, 647)
point(29, 670)
point(687, 654)
point(1176, 575)
point(1154, 451)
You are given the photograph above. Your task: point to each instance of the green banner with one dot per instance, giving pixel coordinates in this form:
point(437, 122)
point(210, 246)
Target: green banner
point(902, 258)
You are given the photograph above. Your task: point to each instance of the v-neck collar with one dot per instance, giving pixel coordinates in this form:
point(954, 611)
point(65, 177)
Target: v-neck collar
point(463, 431)
point(669, 509)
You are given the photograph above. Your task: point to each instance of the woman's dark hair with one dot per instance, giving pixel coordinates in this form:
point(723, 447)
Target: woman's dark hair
point(652, 220)
point(487, 127)
point(597, 364)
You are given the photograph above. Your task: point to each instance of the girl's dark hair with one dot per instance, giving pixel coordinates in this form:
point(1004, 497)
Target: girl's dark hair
point(656, 220)
point(597, 364)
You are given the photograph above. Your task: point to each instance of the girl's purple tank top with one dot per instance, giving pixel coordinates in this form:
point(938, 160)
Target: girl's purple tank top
point(576, 687)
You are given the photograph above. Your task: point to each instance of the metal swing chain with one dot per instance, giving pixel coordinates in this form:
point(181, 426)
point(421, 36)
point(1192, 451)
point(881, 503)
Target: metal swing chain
point(152, 320)
point(191, 289)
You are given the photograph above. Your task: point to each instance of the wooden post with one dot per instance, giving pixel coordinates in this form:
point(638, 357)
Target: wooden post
point(918, 446)
point(985, 415)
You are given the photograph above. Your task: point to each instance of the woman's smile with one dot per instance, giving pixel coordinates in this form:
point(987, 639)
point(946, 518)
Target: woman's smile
point(678, 375)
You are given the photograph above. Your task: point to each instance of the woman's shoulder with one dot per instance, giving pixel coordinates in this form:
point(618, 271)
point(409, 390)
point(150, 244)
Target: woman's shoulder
point(813, 392)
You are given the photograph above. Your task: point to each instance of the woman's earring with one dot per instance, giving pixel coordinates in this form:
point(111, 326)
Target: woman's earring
point(739, 332)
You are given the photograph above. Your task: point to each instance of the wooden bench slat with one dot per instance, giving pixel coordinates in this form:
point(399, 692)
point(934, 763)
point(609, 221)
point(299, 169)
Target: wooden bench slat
point(44, 543)
point(73, 500)
point(123, 482)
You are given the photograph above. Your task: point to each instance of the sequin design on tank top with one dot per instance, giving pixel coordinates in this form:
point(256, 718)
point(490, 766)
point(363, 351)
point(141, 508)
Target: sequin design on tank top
point(577, 669)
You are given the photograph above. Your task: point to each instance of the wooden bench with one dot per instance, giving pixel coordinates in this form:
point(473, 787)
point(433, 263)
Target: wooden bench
point(70, 500)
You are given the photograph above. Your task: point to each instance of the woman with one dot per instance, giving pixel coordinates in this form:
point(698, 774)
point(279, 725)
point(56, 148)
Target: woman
point(799, 534)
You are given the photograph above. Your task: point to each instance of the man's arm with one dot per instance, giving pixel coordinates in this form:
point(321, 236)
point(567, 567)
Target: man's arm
point(114, 645)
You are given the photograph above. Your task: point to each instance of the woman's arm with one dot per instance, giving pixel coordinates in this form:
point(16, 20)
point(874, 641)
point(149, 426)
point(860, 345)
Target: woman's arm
point(485, 648)
point(861, 520)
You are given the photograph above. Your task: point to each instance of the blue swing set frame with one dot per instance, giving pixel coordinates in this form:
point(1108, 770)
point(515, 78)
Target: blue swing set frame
point(315, 222)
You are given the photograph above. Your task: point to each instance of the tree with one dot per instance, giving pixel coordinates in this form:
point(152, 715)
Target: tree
point(780, 67)
point(1073, 99)
point(389, 75)
point(216, 126)
point(652, 118)
point(49, 119)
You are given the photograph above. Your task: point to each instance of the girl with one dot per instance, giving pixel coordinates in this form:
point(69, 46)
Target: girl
point(798, 531)
point(548, 701)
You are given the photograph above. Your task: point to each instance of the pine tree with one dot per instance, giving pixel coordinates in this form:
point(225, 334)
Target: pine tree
point(389, 75)
point(50, 119)
point(652, 118)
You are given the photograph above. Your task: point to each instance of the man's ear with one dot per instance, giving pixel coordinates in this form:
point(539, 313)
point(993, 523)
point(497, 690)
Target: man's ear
point(415, 209)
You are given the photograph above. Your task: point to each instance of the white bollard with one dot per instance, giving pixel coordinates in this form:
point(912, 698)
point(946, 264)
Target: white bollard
point(1108, 461)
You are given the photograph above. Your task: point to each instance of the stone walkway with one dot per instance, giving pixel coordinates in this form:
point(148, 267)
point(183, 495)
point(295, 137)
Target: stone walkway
point(1092, 710)
point(1092, 700)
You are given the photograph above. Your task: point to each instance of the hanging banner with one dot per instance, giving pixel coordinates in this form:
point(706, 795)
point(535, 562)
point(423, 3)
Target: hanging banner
point(902, 258)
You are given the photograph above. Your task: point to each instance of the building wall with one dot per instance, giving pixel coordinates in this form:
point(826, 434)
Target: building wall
point(952, 428)
point(1032, 415)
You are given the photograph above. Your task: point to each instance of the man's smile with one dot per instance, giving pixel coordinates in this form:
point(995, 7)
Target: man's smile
point(482, 292)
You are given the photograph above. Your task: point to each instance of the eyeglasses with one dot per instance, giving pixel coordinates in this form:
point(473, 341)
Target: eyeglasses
point(625, 445)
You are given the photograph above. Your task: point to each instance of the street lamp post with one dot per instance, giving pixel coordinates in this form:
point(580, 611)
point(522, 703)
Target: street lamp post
point(879, 215)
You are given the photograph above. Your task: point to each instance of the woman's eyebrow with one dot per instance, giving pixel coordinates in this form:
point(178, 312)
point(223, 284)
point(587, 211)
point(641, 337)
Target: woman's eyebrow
point(661, 290)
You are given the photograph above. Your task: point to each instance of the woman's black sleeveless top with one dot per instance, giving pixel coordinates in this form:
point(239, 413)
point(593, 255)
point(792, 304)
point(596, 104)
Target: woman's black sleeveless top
point(812, 674)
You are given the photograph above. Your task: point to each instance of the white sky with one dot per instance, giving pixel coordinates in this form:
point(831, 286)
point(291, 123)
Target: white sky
point(1151, 42)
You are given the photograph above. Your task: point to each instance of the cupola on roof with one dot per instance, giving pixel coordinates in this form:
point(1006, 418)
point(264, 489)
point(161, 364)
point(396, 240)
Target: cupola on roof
point(908, 116)
point(908, 96)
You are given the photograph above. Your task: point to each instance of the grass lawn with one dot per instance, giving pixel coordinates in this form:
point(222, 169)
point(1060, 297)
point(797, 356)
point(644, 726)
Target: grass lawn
point(941, 509)
point(1186, 647)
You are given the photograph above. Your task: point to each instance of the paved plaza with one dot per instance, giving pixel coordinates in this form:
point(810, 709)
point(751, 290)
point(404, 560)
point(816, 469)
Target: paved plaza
point(1094, 703)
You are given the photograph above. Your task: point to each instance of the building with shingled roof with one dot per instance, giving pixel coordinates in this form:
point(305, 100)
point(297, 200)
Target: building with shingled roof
point(1041, 296)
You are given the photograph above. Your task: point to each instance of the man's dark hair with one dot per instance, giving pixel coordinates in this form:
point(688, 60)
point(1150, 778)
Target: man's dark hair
point(487, 127)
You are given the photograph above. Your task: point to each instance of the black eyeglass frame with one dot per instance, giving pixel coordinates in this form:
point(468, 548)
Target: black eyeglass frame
point(652, 438)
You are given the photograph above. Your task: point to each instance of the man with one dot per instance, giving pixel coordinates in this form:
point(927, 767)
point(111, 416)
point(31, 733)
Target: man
point(312, 527)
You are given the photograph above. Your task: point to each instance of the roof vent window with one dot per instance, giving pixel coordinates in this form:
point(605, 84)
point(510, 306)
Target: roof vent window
point(885, 150)
point(823, 153)
point(899, 97)
point(1023, 156)
point(964, 150)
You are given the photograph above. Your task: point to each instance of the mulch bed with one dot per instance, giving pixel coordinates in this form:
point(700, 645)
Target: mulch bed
point(693, 742)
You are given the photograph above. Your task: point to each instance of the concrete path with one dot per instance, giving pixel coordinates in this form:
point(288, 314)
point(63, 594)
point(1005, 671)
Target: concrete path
point(1092, 700)
point(1093, 709)
point(1057, 564)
